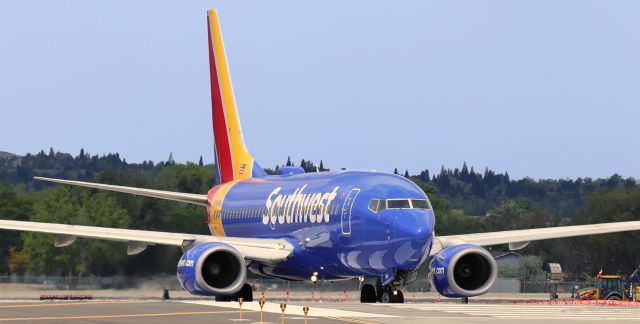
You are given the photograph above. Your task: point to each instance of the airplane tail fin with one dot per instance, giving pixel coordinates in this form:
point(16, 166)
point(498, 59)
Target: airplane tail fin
point(233, 160)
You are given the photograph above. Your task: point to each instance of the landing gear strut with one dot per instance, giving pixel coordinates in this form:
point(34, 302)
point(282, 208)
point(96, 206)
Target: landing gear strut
point(383, 294)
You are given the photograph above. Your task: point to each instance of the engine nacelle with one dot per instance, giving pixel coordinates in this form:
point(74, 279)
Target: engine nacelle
point(463, 271)
point(212, 269)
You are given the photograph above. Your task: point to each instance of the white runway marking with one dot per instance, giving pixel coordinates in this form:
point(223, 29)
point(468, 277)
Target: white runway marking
point(447, 311)
point(505, 311)
point(293, 309)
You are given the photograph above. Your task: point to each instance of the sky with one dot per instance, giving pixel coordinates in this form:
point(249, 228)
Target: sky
point(545, 89)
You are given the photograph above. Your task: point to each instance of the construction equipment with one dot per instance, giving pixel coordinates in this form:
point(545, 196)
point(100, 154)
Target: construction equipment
point(612, 287)
point(633, 285)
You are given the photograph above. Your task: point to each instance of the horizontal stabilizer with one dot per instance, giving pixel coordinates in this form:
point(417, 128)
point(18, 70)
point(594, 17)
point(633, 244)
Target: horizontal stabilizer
point(168, 195)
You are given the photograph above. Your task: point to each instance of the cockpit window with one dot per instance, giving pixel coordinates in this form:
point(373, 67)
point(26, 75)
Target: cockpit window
point(378, 205)
point(419, 203)
point(373, 205)
point(383, 205)
point(398, 203)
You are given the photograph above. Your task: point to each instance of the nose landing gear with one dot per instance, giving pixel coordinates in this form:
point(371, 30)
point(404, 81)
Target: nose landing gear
point(392, 295)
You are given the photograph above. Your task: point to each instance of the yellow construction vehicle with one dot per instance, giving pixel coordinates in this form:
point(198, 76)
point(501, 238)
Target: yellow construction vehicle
point(612, 287)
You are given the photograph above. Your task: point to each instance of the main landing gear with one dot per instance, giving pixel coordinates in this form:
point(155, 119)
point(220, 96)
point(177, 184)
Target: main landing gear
point(246, 293)
point(384, 294)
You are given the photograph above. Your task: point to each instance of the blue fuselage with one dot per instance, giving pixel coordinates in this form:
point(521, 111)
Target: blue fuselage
point(331, 221)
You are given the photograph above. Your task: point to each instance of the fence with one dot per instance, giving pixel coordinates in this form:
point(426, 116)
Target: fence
point(92, 282)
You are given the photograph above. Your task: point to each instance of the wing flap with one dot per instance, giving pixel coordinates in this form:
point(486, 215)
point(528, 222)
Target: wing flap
point(169, 195)
point(534, 234)
point(258, 249)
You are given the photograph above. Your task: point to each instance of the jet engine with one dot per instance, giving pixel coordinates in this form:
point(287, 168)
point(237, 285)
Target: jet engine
point(463, 271)
point(212, 269)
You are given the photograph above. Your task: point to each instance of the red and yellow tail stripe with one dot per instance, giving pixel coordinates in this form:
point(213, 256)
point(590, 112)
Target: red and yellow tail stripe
point(232, 157)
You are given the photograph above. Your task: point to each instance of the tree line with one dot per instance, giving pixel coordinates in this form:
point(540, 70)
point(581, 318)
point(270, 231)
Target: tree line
point(464, 201)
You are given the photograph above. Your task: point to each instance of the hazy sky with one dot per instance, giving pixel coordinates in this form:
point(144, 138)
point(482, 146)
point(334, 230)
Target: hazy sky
point(545, 89)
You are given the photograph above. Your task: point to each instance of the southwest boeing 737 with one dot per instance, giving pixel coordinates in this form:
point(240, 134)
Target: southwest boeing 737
point(309, 226)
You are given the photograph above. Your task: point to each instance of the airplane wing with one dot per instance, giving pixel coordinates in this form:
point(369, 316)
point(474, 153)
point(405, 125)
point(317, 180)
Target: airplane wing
point(519, 239)
point(264, 250)
point(169, 195)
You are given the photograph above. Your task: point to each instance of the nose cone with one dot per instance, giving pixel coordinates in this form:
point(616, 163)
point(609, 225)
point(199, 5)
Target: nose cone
point(414, 225)
point(413, 234)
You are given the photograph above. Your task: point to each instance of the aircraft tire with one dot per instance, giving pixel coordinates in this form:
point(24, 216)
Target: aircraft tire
point(386, 297)
point(399, 298)
point(246, 293)
point(368, 294)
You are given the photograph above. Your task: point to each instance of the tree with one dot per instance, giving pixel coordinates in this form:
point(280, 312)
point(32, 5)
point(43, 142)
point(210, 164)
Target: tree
point(464, 174)
point(200, 162)
point(505, 216)
point(13, 206)
point(611, 252)
point(289, 163)
point(322, 166)
point(395, 171)
point(406, 173)
point(18, 261)
point(424, 176)
point(81, 207)
point(529, 268)
point(186, 178)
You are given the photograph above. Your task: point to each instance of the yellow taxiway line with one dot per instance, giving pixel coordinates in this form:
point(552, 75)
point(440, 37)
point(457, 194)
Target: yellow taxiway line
point(45, 304)
point(65, 318)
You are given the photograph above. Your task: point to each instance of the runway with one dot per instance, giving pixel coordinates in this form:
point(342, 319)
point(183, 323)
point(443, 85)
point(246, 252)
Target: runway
point(199, 311)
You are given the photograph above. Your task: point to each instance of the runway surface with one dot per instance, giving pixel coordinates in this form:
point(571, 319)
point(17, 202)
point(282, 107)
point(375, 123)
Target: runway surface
point(198, 311)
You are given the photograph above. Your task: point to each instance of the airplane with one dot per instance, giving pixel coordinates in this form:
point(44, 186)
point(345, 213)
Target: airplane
point(301, 226)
